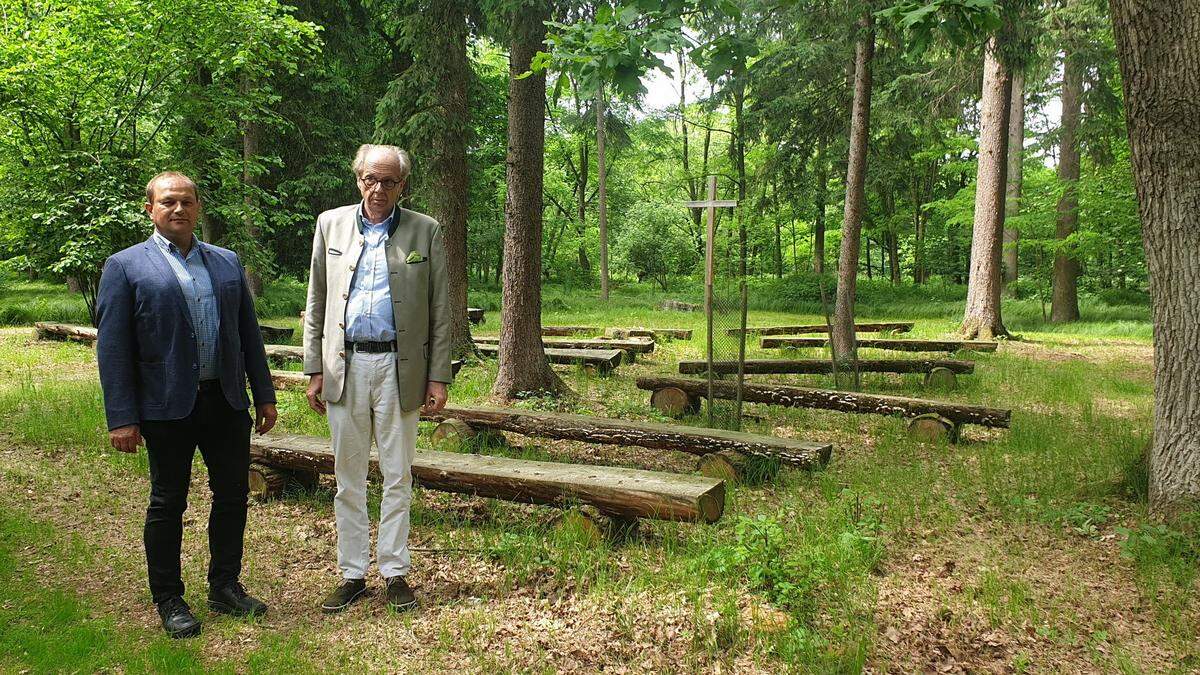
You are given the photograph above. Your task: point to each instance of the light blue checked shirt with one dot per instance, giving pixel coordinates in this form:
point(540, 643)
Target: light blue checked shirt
point(369, 307)
point(201, 301)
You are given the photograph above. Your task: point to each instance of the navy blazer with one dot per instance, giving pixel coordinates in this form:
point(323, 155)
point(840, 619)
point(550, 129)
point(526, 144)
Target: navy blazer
point(146, 346)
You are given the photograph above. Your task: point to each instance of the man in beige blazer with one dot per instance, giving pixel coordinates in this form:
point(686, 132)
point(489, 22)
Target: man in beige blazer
point(377, 350)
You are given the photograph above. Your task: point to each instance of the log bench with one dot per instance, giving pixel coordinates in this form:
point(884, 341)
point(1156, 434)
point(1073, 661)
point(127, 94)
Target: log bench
point(924, 413)
point(652, 333)
point(603, 360)
point(896, 327)
point(273, 334)
point(634, 346)
point(566, 331)
point(938, 372)
point(615, 491)
point(49, 330)
point(653, 435)
point(885, 343)
point(475, 315)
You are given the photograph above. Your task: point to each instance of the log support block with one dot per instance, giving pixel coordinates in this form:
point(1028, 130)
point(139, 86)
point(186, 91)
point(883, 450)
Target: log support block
point(266, 482)
point(941, 378)
point(674, 402)
point(733, 466)
point(933, 428)
point(455, 435)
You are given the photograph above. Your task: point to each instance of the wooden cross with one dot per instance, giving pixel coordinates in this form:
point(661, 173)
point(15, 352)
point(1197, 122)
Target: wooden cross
point(710, 205)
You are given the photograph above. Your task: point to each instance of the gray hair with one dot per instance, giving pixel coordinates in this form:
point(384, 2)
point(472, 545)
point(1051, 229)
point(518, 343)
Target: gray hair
point(402, 158)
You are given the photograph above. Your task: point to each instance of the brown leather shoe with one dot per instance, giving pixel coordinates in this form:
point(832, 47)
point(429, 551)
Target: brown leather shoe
point(399, 596)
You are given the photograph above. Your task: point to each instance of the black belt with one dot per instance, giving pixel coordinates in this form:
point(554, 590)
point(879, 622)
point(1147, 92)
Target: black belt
point(209, 385)
point(370, 347)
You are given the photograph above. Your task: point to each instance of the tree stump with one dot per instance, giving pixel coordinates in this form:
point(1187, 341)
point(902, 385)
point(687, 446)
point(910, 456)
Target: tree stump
point(932, 428)
point(266, 482)
point(578, 526)
point(674, 402)
point(941, 378)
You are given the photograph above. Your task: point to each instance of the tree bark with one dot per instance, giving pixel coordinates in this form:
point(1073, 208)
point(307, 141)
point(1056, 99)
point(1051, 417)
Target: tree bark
point(602, 185)
point(982, 316)
point(449, 172)
point(1160, 68)
point(523, 365)
point(1064, 302)
point(1012, 191)
point(856, 174)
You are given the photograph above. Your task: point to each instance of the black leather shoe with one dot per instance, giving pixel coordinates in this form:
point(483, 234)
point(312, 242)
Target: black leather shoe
point(177, 618)
point(344, 595)
point(232, 600)
point(399, 596)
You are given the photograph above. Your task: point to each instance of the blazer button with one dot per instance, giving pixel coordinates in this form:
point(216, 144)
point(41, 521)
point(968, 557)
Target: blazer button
point(342, 354)
point(345, 296)
point(195, 366)
point(352, 268)
point(341, 325)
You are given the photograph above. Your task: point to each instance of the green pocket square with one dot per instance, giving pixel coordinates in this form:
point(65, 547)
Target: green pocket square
point(415, 257)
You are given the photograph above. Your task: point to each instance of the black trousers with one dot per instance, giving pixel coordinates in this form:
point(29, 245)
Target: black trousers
point(223, 436)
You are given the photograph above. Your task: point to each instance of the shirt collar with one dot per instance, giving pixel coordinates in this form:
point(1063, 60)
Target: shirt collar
point(167, 246)
point(365, 224)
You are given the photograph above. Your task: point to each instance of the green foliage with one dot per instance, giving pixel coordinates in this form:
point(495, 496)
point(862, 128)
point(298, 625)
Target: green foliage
point(106, 101)
point(961, 21)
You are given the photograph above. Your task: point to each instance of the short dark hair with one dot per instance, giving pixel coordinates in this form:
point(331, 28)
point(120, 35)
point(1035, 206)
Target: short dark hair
point(169, 174)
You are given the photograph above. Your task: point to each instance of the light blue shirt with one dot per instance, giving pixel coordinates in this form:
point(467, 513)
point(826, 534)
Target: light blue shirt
point(201, 301)
point(369, 308)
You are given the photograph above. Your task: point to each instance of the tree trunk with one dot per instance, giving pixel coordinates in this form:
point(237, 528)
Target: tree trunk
point(602, 184)
point(982, 316)
point(449, 173)
point(819, 200)
point(251, 139)
point(844, 351)
point(1012, 193)
point(1064, 303)
point(523, 364)
point(1160, 67)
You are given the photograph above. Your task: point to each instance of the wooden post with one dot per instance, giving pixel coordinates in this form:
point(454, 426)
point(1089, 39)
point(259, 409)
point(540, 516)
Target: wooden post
point(710, 205)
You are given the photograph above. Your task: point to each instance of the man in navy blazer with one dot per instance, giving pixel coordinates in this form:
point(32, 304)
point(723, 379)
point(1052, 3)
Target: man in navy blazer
point(177, 341)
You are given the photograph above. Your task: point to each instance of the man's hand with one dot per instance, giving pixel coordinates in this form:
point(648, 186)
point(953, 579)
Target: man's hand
point(435, 397)
point(264, 418)
point(316, 384)
point(126, 438)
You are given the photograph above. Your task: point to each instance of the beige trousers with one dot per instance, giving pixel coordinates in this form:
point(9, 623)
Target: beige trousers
point(370, 409)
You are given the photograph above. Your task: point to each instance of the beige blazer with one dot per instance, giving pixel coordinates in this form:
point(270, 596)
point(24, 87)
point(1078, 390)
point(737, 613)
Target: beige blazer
point(420, 301)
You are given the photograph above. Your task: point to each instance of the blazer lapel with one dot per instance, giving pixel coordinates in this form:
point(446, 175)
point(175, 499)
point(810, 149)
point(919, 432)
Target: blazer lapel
point(164, 269)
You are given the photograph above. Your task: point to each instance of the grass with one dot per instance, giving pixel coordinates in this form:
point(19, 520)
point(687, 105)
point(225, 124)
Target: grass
point(1030, 517)
point(49, 628)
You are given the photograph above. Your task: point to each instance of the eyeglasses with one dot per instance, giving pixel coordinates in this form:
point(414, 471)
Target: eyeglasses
point(387, 183)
